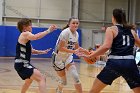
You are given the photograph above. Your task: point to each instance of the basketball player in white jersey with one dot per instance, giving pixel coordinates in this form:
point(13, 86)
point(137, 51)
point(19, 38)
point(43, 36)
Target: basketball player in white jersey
point(66, 45)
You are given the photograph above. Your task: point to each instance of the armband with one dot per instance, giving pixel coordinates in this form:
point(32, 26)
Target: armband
point(48, 31)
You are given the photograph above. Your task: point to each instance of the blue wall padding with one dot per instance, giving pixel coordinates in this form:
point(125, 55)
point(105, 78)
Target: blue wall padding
point(2, 41)
point(138, 32)
point(9, 36)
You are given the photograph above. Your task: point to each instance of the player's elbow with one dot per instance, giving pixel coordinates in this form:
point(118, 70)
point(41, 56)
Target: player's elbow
point(106, 47)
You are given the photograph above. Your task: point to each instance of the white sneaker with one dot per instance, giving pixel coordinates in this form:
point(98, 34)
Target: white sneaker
point(58, 91)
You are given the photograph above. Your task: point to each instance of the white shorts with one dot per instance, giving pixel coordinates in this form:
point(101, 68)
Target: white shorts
point(60, 62)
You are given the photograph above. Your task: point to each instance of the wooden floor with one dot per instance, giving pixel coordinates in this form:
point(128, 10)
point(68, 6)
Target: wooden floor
point(10, 82)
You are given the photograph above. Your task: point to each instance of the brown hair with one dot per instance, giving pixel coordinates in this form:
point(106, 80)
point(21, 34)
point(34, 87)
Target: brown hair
point(120, 16)
point(90, 49)
point(69, 22)
point(23, 22)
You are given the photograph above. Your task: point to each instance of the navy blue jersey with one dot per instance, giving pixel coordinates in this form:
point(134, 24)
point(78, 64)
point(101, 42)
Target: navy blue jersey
point(23, 51)
point(123, 43)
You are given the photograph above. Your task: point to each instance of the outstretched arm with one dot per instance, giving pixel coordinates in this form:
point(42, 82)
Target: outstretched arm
point(107, 43)
point(102, 49)
point(39, 35)
point(34, 51)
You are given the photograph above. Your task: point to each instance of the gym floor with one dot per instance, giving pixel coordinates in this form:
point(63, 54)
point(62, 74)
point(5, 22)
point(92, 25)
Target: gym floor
point(10, 82)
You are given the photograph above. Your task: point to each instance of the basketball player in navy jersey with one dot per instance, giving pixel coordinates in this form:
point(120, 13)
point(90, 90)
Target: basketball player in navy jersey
point(23, 54)
point(120, 39)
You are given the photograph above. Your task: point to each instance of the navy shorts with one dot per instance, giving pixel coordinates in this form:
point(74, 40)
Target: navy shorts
point(25, 71)
point(115, 68)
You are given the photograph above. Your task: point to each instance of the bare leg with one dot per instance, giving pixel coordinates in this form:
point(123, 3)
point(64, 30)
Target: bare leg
point(97, 86)
point(78, 88)
point(73, 71)
point(37, 76)
point(63, 79)
point(26, 85)
point(136, 90)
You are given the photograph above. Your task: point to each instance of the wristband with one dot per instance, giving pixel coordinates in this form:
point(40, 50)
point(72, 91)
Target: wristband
point(48, 31)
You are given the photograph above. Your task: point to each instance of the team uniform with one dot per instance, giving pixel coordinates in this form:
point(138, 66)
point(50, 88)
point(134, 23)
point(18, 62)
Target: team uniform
point(62, 59)
point(22, 60)
point(121, 60)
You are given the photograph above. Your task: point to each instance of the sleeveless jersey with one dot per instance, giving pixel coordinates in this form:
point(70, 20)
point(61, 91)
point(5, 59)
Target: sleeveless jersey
point(123, 43)
point(23, 51)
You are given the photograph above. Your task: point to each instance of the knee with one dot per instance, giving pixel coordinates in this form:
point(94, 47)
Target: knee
point(76, 78)
point(74, 74)
point(63, 82)
point(41, 78)
point(38, 76)
point(26, 83)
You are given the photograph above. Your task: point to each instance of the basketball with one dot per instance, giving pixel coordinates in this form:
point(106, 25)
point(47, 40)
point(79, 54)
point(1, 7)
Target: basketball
point(89, 61)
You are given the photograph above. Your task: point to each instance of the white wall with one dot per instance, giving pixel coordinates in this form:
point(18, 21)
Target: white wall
point(1, 11)
point(21, 8)
point(47, 9)
point(112, 4)
point(56, 9)
point(87, 37)
point(91, 10)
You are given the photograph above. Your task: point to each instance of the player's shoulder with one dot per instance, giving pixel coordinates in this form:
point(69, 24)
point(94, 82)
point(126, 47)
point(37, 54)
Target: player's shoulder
point(65, 31)
point(77, 34)
point(112, 28)
point(27, 32)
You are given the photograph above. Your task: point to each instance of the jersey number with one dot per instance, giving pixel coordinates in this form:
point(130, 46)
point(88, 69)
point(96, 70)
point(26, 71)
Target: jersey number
point(126, 40)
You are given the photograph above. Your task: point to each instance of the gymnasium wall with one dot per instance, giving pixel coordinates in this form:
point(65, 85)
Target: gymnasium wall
point(93, 14)
point(9, 36)
point(138, 11)
point(50, 9)
point(1, 10)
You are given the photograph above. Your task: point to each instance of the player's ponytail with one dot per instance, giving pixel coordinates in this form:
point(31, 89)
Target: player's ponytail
point(65, 27)
point(69, 22)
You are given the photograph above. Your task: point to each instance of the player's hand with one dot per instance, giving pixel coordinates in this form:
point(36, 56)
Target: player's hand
point(82, 49)
point(44, 51)
point(81, 52)
point(52, 28)
point(82, 55)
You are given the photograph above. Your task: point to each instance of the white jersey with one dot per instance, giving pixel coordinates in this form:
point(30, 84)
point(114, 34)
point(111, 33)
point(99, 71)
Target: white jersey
point(62, 59)
point(70, 39)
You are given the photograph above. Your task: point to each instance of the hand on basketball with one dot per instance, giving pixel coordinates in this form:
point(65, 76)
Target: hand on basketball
point(82, 55)
point(82, 49)
point(81, 52)
point(85, 54)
